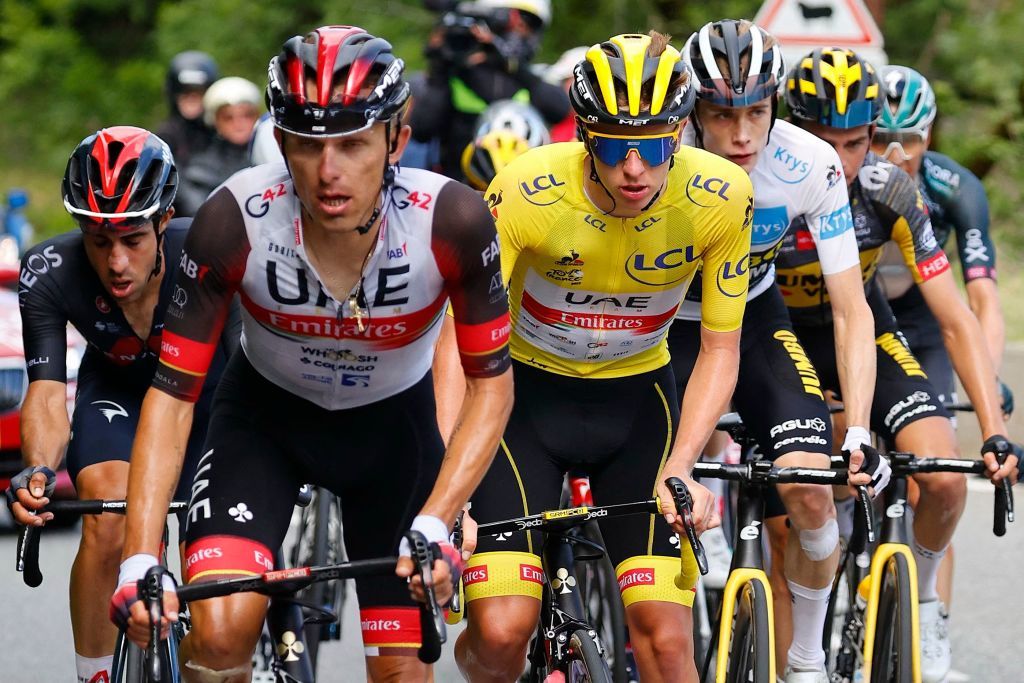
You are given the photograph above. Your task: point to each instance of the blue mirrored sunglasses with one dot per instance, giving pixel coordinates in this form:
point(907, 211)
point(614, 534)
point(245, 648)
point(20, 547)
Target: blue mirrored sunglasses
point(611, 150)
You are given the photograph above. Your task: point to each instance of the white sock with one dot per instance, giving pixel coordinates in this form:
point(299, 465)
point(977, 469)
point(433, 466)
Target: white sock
point(809, 608)
point(93, 669)
point(928, 562)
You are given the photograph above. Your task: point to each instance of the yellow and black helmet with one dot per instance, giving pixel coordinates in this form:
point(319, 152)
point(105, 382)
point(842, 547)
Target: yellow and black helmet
point(485, 156)
point(619, 83)
point(834, 87)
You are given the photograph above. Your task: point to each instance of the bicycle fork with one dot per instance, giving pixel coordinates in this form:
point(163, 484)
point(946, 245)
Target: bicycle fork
point(894, 542)
point(567, 610)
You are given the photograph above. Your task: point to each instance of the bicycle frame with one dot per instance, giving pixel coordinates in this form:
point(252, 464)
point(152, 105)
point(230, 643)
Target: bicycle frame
point(747, 567)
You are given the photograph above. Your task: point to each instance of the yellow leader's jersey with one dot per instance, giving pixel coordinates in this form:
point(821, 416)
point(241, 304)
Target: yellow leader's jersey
point(592, 295)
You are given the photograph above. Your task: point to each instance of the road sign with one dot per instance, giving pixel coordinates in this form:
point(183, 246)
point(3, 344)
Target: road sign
point(803, 25)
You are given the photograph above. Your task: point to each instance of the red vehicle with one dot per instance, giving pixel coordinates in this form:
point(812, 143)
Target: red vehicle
point(14, 380)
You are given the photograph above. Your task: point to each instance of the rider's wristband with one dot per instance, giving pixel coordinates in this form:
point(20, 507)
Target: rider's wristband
point(135, 567)
point(855, 438)
point(433, 529)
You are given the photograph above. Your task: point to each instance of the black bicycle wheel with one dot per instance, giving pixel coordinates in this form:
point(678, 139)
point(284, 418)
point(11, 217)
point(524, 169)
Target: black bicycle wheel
point(703, 631)
point(843, 626)
point(892, 657)
point(603, 602)
point(586, 664)
point(750, 651)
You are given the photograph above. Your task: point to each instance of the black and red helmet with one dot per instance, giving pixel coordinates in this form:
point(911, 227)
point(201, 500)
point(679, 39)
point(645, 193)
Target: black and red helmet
point(347, 57)
point(119, 179)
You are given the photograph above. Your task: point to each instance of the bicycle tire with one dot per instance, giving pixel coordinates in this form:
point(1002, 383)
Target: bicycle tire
point(750, 649)
point(892, 656)
point(703, 632)
point(586, 664)
point(603, 602)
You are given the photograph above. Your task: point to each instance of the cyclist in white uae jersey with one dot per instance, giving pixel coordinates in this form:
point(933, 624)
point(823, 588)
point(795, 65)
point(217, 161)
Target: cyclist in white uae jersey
point(343, 265)
point(778, 394)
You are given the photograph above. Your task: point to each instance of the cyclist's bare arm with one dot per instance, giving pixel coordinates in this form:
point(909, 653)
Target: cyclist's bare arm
point(474, 441)
point(449, 380)
point(45, 430)
point(966, 346)
point(855, 343)
point(983, 297)
point(157, 457)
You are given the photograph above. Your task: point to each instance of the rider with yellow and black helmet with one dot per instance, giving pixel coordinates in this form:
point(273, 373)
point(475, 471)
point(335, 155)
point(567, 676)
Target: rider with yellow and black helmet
point(599, 241)
point(835, 94)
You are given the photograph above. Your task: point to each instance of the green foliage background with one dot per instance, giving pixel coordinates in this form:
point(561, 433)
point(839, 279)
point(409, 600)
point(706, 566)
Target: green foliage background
point(68, 67)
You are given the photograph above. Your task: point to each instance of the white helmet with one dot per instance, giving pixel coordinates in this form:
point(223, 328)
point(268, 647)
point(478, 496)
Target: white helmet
point(263, 147)
point(516, 117)
point(227, 91)
point(539, 8)
point(561, 70)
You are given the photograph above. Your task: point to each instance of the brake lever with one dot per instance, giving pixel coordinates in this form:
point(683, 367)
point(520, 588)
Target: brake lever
point(432, 626)
point(864, 503)
point(684, 508)
point(151, 592)
point(455, 606)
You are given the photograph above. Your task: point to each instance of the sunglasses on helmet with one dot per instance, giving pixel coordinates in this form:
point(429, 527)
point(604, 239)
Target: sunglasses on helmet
point(612, 150)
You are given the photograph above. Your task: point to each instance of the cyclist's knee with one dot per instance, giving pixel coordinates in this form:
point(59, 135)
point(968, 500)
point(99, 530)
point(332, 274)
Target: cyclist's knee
point(103, 536)
point(396, 669)
point(945, 488)
point(197, 673)
point(809, 506)
point(502, 626)
point(654, 627)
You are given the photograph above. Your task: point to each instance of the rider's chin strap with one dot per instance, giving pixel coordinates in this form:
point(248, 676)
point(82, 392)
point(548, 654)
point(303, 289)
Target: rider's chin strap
point(158, 264)
point(387, 180)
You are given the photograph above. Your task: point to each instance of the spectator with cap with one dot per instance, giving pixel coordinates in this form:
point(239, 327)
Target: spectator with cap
point(231, 108)
point(185, 132)
point(480, 53)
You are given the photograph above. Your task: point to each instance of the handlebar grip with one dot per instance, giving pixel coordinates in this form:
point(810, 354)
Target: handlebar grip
point(76, 507)
point(1000, 509)
point(430, 645)
point(27, 561)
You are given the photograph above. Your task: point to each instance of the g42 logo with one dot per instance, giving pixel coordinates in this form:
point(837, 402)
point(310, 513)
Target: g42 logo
point(421, 200)
point(258, 204)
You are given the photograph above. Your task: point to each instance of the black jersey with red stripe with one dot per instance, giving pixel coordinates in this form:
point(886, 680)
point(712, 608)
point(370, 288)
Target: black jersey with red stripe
point(436, 241)
point(57, 285)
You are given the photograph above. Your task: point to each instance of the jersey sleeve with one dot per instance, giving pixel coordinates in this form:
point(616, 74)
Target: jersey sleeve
point(209, 273)
point(828, 216)
point(727, 254)
point(968, 211)
point(911, 227)
point(44, 317)
point(465, 246)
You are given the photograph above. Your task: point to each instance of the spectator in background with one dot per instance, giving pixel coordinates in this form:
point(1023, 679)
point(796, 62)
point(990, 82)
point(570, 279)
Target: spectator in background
point(478, 54)
point(231, 107)
point(560, 74)
point(185, 132)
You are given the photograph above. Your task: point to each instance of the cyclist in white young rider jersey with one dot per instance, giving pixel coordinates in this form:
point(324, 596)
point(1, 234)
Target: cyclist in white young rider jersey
point(344, 266)
point(739, 67)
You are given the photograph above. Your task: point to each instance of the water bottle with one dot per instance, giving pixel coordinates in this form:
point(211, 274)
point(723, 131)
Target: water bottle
point(16, 223)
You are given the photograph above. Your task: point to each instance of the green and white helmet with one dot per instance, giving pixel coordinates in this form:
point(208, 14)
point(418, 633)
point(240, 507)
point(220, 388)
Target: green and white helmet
point(909, 101)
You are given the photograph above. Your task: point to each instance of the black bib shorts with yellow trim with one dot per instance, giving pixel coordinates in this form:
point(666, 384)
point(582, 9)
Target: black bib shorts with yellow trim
point(778, 393)
point(382, 459)
point(903, 392)
point(619, 431)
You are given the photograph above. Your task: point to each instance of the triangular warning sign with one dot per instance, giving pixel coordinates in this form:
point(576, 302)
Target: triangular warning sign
point(814, 23)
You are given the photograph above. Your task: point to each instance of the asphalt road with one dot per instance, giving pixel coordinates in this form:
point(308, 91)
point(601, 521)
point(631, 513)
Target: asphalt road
point(35, 632)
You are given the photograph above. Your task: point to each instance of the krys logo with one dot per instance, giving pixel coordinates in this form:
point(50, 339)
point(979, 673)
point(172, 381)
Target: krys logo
point(732, 277)
point(544, 190)
point(706, 191)
point(788, 167)
point(770, 223)
point(650, 270)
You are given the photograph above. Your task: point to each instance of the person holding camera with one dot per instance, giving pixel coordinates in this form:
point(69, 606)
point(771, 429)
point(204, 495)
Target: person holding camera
point(480, 52)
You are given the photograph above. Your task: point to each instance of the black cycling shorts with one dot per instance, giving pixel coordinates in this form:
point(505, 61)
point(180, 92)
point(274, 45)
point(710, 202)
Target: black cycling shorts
point(903, 393)
point(107, 407)
point(778, 393)
point(617, 431)
point(381, 459)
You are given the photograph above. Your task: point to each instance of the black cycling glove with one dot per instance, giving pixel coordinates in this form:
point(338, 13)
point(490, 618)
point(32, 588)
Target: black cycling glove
point(21, 481)
point(874, 465)
point(1006, 397)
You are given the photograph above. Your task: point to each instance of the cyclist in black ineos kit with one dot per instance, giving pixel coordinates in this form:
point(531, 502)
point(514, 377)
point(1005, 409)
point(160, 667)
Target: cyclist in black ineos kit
point(108, 280)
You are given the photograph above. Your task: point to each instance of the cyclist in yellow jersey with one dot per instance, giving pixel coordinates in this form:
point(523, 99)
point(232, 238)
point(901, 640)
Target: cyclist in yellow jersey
point(599, 241)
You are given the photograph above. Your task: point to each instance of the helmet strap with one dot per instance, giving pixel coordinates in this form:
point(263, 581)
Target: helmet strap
point(159, 262)
point(387, 180)
point(593, 170)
